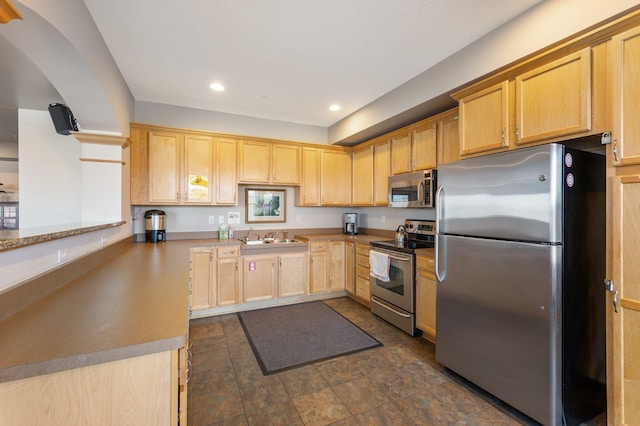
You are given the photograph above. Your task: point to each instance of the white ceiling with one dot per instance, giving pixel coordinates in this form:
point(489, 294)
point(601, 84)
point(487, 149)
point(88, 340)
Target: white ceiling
point(286, 59)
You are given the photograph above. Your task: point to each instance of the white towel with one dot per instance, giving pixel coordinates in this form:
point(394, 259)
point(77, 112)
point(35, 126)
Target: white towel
point(379, 266)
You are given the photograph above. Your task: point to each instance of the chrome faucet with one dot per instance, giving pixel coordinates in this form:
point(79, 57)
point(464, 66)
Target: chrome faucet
point(246, 238)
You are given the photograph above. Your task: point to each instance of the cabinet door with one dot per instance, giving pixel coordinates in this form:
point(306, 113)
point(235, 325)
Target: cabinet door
point(448, 146)
point(318, 272)
point(293, 278)
point(623, 337)
point(426, 304)
point(484, 120)
point(350, 266)
point(335, 176)
point(423, 147)
point(363, 176)
point(202, 276)
point(401, 153)
point(255, 162)
point(309, 191)
point(226, 172)
point(555, 99)
point(336, 266)
point(624, 61)
point(286, 164)
point(164, 167)
point(198, 166)
point(258, 277)
point(227, 281)
point(139, 159)
point(381, 172)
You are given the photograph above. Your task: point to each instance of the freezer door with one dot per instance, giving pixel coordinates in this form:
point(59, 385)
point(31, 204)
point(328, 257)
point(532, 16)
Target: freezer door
point(498, 319)
point(514, 195)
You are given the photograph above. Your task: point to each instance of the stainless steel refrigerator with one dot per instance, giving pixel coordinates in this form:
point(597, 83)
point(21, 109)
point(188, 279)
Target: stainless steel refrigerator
point(520, 263)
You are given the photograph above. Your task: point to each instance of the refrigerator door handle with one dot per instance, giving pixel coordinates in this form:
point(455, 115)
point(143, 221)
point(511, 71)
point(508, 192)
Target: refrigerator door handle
point(439, 191)
point(438, 200)
point(440, 275)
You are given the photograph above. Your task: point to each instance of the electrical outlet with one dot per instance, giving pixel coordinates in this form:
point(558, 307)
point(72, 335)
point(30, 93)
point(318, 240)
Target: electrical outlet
point(383, 219)
point(221, 219)
point(103, 240)
point(299, 218)
point(212, 220)
point(62, 255)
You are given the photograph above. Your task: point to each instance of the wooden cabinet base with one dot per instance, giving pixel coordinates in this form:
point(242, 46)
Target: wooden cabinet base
point(134, 391)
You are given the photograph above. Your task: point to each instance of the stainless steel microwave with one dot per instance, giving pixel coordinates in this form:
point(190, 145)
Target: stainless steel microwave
point(415, 189)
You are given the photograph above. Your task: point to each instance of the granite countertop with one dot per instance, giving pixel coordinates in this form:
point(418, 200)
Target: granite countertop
point(11, 239)
point(365, 238)
point(134, 303)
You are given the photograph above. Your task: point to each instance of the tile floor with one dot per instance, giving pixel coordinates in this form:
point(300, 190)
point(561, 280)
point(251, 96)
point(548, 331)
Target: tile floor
point(397, 384)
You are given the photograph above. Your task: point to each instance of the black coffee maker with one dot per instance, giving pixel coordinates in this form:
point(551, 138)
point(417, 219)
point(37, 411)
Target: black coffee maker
point(154, 226)
point(350, 223)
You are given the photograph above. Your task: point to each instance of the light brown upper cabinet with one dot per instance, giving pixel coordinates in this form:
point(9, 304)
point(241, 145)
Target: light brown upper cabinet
point(335, 177)
point(363, 175)
point(414, 148)
point(448, 145)
point(381, 172)
point(562, 99)
point(484, 120)
point(624, 62)
point(308, 194)
point(226, 172)
point(268, 163)
point(180, 168)
point(554, 100)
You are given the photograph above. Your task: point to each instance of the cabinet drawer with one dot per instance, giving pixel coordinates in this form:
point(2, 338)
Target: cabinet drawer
point(362, 249)
point(228, 251)
point(362, 260)
point(362, 271)
point(425, 263)
point(318, 245)
point(362, 288)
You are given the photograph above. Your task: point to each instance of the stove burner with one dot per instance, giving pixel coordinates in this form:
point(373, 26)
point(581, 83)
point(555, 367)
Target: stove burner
point(408, 246)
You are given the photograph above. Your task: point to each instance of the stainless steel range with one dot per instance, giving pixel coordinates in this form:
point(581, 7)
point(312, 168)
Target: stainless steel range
point(393, 279)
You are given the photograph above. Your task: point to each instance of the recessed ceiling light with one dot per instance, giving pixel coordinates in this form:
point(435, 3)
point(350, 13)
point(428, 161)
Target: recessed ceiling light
point(335, 107)
point(217, 87)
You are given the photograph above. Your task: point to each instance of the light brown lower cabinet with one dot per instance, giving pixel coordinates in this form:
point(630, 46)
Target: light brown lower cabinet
point(202, 274)
point(227, 283)
point(293, 274)
point(336, 266)
point(350, 266)
point(318, 264)
point(258, 277)
point(363, 292)
point(134, 391)
point(426, 297)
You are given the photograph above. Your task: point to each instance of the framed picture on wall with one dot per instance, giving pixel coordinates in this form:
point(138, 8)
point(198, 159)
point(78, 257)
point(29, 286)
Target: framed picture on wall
point(265, 205)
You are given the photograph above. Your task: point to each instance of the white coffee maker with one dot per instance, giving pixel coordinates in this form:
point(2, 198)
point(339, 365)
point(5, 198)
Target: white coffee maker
point(350, 223)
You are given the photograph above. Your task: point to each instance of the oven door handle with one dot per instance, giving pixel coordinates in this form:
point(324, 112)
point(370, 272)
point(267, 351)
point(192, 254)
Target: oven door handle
point(402, 314)
point(402, 259)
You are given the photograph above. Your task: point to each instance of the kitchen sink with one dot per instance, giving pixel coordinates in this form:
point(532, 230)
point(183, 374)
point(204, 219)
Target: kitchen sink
point(253, 242)
point(270, 241)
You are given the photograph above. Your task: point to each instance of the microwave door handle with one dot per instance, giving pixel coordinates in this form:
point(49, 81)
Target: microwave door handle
point(421, 192)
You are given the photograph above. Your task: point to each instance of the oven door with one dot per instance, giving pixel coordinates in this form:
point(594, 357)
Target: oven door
point(399, 291)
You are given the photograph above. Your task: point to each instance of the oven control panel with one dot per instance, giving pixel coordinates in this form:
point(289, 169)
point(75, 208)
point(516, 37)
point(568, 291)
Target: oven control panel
point(423, 227)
